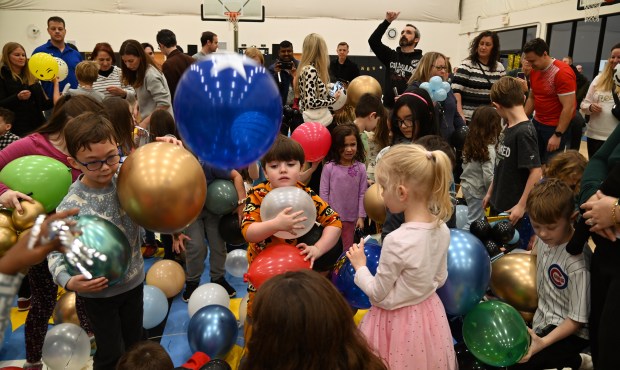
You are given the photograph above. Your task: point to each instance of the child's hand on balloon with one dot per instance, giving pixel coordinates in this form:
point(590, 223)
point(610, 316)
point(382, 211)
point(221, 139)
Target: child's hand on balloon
point(81, 284)
point(290, 222)
point(536, 344)
point(356, 255)
point(170, 139)
point(10, 199)
point(312, 252)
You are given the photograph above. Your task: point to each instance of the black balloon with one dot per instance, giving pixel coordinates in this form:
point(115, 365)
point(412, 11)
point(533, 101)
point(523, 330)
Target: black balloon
point(492, 248)
point(481, 229)
point(229, 229)
point(466, 360)
point(503, 232)
point(459, 136)
point(216, 364)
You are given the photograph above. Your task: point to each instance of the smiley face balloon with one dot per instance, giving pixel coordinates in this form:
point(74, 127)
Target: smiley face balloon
point(43, 66)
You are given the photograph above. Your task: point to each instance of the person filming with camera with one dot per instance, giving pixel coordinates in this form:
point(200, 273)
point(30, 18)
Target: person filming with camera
point(284, 71)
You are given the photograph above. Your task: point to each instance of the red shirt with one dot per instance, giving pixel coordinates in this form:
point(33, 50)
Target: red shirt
point(548, 85)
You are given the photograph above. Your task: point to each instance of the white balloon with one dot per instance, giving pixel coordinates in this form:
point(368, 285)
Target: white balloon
point(63, 69)
point(237, 262)
point(289, 196)
point(243, 310)
point(66, 347)
point(205, 295)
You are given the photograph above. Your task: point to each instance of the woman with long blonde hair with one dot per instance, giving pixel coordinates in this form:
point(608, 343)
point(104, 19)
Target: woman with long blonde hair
point(598, 103)
point(313, 79)
point(20, 92)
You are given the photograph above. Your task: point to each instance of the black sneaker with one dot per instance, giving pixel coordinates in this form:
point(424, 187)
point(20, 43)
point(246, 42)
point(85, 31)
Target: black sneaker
point(190, 286)
point(221, 281)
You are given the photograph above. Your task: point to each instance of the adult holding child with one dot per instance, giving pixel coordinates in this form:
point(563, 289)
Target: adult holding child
point(20, 92)
point(146, 77)
point(109, 82)
point(474, 77)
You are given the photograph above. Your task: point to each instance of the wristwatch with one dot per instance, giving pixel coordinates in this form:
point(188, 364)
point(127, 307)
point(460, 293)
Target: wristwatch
point(558, 133)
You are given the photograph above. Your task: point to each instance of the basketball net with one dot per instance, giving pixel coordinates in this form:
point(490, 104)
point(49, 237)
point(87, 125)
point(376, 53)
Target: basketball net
point(233, 19)
point(592, 9)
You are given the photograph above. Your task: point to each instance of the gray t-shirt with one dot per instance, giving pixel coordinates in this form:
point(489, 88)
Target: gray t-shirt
point(93, 94)
point(103, 203)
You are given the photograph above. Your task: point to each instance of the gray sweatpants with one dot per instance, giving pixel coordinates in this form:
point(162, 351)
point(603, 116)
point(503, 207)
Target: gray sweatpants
point(205, 227)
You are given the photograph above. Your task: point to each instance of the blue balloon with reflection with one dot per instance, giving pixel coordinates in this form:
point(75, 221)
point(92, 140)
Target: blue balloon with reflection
point(228, 110)
point(212, 330)
point(469, 272)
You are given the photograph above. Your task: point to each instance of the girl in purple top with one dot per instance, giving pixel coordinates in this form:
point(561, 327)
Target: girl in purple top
point(343, 180)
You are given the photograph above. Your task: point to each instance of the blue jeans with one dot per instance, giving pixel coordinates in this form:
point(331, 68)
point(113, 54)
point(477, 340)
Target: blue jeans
point(543, 134)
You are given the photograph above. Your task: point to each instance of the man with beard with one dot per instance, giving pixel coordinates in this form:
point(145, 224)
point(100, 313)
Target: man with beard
point(284, 70)
point(399, 63)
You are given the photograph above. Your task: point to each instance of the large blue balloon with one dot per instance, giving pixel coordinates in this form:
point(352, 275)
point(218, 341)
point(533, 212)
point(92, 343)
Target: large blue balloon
point(344, 275)
point(212, 330)
point(155, 307)
point(228, 110)
point(469, 272)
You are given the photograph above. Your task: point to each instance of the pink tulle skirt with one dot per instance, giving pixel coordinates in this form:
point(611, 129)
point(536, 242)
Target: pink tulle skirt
point(412, 337)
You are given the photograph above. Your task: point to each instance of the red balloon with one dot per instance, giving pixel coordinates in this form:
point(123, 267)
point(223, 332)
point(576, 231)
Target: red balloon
point(314, 139)
point(275, 260)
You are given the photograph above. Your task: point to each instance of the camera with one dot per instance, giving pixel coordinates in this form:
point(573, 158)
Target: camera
point(286, 65)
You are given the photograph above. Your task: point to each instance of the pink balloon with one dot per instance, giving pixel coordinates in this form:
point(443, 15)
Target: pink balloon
point(314, 138)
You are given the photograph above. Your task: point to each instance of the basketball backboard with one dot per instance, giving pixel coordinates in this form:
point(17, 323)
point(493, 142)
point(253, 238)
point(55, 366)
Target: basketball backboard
point(581, 3)
point(250, 10)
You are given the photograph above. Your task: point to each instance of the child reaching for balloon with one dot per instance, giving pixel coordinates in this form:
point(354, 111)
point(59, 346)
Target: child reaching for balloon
point(282, 166)
point(407, 323)
point(343, 180)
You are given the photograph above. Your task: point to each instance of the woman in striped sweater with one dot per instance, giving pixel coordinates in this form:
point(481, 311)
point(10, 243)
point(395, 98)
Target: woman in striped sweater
point(109, 82)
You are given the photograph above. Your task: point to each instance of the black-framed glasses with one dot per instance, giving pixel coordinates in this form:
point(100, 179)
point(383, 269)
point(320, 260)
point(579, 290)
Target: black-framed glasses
point(95, 165)
point(407, 122)
point(441, 68)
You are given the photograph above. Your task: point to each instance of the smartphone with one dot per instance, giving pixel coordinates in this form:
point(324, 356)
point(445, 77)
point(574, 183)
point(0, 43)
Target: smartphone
point(521, 75)
point(337, 86)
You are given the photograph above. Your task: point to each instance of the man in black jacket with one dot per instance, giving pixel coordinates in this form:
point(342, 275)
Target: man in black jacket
point(342, 68)
point(399, 63)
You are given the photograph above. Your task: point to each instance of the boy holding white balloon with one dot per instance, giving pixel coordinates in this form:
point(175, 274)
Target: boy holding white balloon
point(115, 312)
point(282, 166)
point(562, 282)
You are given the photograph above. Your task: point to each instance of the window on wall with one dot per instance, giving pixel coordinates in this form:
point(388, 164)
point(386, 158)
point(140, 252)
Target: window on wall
point(589, 43)
point(511, 42)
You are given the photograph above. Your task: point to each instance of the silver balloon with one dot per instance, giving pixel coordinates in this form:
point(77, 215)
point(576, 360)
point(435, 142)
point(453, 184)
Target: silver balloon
point(66, 347)
point(237, 262)
point(289, 196)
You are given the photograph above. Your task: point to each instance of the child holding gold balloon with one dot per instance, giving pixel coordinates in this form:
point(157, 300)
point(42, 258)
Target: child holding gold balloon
point(115, 312)
point(282, 166)
point(407, 324)
point(562, 282)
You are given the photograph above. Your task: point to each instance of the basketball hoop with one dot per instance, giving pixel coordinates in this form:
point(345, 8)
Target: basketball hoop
point(592, 10)
point(233, 19)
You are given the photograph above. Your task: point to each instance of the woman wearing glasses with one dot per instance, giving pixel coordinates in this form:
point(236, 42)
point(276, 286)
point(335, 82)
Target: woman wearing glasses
point(474, 77)
point(436, 64)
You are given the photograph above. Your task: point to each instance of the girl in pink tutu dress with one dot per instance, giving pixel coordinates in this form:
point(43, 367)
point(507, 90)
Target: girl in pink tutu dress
point(407, 324)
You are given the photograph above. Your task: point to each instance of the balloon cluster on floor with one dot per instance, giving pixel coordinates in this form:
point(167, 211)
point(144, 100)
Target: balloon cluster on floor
point(494, 235)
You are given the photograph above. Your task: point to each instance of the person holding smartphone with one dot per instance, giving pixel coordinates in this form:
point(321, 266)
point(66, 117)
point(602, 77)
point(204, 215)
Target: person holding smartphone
point(523, 74)
point(284, 71)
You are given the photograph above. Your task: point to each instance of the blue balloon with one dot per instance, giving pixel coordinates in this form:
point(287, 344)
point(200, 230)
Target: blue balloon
point(228, 110)
point(212, 330)
point(155, 307)
point(436, 83)
point(515, 238)
point(426, 86)
point(446, 86)
point(461, 215)
point(439, 95)
point(344, 275)
point(469, 272)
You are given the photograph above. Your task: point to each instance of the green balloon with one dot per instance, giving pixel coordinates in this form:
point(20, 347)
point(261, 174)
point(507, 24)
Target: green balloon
point(222, 197)
point(43, 178)
point(496, 334)
point(112, 252)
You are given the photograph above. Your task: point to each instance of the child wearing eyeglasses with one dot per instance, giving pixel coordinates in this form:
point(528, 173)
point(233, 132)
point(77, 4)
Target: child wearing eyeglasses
point(115, 312)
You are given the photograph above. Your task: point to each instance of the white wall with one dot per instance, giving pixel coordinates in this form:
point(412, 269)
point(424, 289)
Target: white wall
point(86, 29)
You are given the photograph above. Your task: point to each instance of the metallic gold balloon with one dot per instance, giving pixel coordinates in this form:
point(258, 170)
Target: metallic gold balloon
point(6, 220)
point(513, 280)
point(65, 311)
point(360, 86)
point(168, 276)
point(373, 204)
point(162, 187)
point(25, 220)
point(8, 238)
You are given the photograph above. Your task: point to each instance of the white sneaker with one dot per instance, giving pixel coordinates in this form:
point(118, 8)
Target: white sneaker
point(586, 362)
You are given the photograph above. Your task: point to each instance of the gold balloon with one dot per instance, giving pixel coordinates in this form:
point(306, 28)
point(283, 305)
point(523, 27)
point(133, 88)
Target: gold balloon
point(26, 218)
point(513, 280)
point(168, 276)
point(360, 86)
point(8, 238)
point(6, 219)
point(373, 204)
point(64, 311)
point(162, 187)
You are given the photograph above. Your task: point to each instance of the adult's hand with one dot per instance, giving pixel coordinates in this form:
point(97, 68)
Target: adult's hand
point(391, 16)
point(24, 95)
